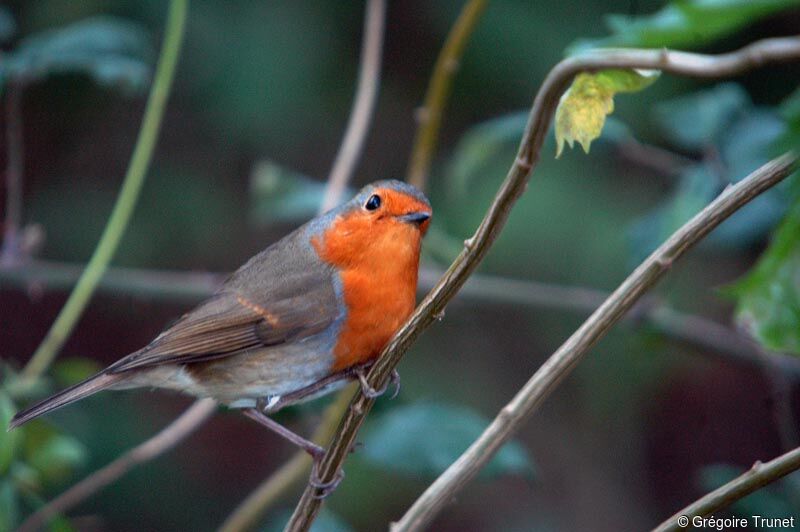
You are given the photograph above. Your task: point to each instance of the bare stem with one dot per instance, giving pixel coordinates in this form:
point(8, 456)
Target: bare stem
point(245, 516)
point(544, 105)
point(192, 287)
point(162, 442)
point(429, 116)
point(248, 513)
point(758, 476)
point(363, 105)
point(14, 171)
point(564, 360)
point(126, 201)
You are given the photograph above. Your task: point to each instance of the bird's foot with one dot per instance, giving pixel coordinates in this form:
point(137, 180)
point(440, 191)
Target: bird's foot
point(324, 488)
point(371, 392)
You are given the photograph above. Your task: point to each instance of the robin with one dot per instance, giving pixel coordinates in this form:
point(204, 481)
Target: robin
point(298, 320)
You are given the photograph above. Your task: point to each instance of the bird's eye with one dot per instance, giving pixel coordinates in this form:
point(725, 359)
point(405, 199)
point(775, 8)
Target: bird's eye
point(373, 202)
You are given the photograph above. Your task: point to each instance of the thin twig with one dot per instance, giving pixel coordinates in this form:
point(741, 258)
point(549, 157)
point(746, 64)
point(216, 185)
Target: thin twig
point(564, 360)
point(191, 287)
point(15, 153)
point(648, 156)
point(754, 55)
point(179, 287)
point(248, 513)
point(157, 445)
point(429, 116)
point(363, 104)
point(126, 201)
point(758, 476)
point(714, 338)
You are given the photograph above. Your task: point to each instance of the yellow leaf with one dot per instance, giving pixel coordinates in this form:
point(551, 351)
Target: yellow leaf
point(582, 111)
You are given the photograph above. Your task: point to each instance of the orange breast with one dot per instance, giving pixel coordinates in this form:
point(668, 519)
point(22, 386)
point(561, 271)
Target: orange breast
point(378, 263)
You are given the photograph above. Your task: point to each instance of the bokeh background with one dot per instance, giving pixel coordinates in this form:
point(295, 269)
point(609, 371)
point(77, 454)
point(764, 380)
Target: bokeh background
point(262, 94)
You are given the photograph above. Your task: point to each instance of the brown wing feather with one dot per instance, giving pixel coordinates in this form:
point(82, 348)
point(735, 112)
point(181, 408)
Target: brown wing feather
point(267, 302)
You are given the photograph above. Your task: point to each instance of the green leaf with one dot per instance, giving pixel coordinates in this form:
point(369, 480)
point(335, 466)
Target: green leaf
point(9, 441)
point(721, 121)
point(54, 455)
point(9, 505)
point(684, 24)
point(113, 52)
point(769, 296)
point(582, 110)
point(694, 121)
point(281, 195)
point(423, 439)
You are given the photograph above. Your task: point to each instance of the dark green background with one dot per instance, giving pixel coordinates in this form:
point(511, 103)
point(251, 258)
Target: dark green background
point(618, 446)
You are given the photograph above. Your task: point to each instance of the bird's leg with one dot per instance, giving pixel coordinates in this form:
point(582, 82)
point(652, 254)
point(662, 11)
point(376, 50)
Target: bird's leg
point(371, 392)
point(316, 452)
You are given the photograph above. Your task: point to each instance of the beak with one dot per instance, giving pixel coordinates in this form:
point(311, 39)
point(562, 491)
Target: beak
point(415, 217)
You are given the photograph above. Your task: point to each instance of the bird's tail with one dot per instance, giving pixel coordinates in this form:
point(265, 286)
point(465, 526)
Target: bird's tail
point(98, 382)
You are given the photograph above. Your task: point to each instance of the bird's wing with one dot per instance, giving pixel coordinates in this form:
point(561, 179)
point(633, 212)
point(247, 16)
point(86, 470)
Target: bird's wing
point(239, 318)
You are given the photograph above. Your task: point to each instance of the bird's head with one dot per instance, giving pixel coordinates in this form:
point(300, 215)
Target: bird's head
point(386, 220)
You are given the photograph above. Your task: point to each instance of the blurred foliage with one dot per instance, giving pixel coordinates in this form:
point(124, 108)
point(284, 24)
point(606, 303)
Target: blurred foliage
point(582, 110)
point(790, 111)
point(424, 438)
point(769, 296)
point(281, 195)
point(731, 137)
point(38, 456)
point(273, 82)
point(683, 24)
point(111, 51)
point(7, 25)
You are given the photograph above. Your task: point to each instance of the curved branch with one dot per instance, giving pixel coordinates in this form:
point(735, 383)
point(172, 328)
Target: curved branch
point(366, 93)
point(564, 360)
point(191, 287)
point(758, 476)
point(126, 201)
point(544, 105)
point(157, 445)
point(249, 510)
point(429, 116)
point(247, 514)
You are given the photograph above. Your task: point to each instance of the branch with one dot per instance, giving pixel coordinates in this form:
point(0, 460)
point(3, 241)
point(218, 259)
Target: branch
point(564, 360)
point(758, 476)
point(429, 116)
point(248, 513)
point(37, 276)
point(126, 201)
point(712, 337)
point(15, 152)
point(756, 54)
point(363, 105)
point(162, 442)
point(191, 287)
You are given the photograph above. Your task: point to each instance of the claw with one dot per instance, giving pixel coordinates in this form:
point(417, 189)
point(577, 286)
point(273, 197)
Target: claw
point(371, 392)
point(324, 489)
point(395, 381)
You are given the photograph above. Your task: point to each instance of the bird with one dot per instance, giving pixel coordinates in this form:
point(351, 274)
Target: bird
point(298, 320)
